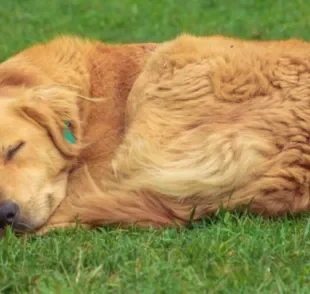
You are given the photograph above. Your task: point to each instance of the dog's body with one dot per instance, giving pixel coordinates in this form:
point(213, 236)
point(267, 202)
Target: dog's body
point(208, 123)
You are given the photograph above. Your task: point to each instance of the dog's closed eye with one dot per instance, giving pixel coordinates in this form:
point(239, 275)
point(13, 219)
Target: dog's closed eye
point(12, 150)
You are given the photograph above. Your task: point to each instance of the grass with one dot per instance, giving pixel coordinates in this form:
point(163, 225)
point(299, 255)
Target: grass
point(229, 254)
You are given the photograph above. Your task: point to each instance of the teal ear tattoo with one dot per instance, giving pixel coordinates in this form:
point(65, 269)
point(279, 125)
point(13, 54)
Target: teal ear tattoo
point(68, 133)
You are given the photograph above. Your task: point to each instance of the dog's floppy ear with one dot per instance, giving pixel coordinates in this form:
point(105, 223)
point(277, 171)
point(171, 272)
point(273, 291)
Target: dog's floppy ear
point(55, 108)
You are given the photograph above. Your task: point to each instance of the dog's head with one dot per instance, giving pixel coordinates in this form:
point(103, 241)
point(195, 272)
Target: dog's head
point(39, 141)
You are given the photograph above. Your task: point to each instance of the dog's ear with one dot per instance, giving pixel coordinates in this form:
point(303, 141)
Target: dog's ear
point(55, 108)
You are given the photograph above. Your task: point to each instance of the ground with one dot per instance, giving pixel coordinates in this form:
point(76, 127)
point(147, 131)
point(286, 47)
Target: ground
point(229, 254)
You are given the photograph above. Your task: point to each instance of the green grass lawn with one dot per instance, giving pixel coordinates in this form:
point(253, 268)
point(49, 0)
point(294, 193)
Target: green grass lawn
point(229, 254)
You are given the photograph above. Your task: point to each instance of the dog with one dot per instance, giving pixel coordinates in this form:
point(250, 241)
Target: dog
point(153, 135)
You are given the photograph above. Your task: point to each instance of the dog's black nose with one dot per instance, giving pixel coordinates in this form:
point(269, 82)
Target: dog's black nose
point(8, 213)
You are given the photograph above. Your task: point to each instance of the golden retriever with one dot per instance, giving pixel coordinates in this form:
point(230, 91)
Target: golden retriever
point(153, 134)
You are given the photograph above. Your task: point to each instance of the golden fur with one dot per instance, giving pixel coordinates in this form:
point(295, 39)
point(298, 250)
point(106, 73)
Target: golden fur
point(190, 125)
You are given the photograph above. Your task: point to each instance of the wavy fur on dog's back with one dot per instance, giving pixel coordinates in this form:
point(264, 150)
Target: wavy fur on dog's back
point(223, 120)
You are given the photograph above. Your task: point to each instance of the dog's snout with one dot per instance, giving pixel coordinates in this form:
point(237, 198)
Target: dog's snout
point(8, 213)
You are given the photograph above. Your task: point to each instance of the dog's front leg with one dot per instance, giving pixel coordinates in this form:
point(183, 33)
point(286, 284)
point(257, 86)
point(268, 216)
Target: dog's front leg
point(47, 228)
